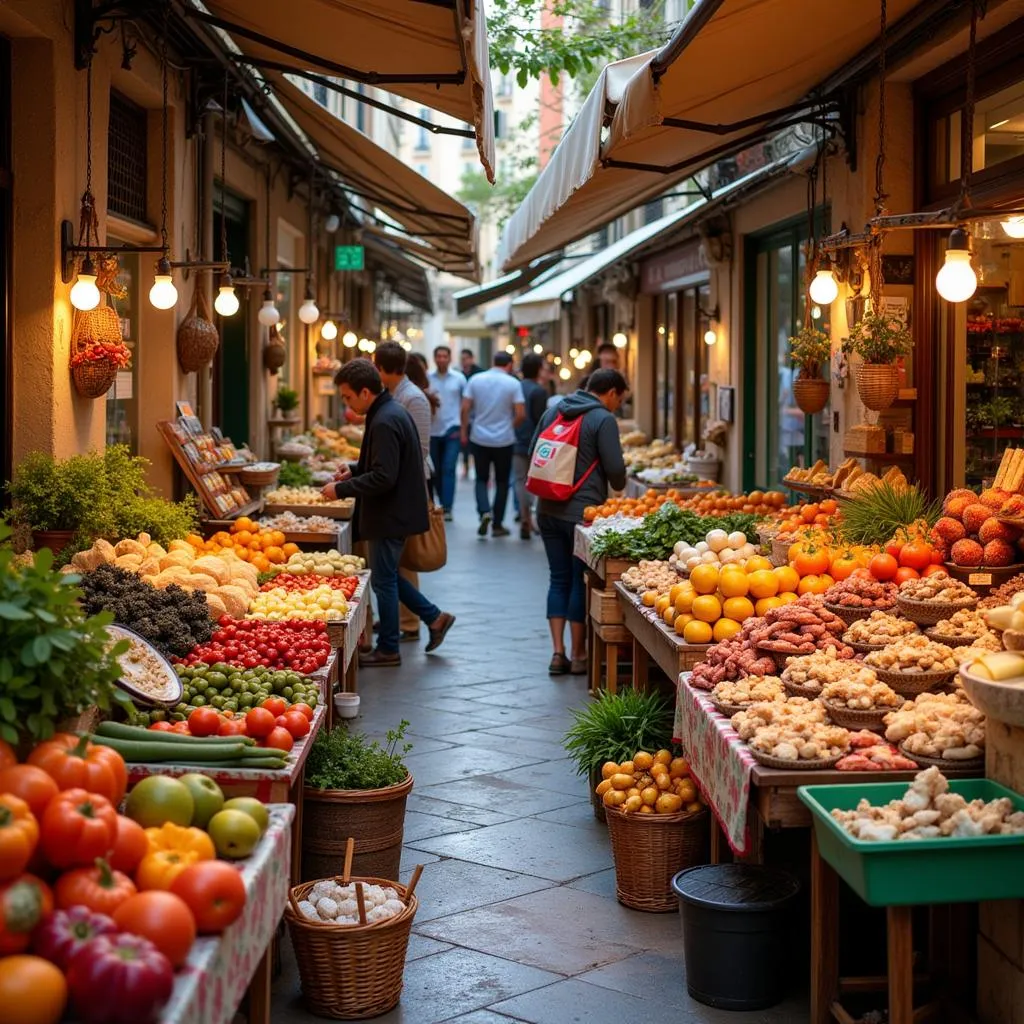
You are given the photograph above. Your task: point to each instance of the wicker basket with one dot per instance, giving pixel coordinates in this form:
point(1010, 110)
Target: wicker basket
point(274, 352)
point(796, 690)
point(352, 972)
point(595, 801)
point(944, 763)
point(857, 718)
point(197, 337)
point(374, 817)
point(864, 648)
point(811, 393)
point(911, 684)
point(259, 477)
point(649, 849)
point(928, 613)
point(820, 764)
point(729, 709)
point(780, 551)
point(94, 378)
point(849, 615)
point(951, 641)
point(878, 384)
point(781, 657)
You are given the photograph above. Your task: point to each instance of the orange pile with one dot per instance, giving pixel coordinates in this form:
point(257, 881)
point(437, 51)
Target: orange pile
point(717, 503)
point(250, 542)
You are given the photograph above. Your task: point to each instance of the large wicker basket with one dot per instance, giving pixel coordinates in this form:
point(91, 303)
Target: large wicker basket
point(375, 818)
point(811, 393)
point(197, 336)
point(878, 384)
point(95, 377)
point(929, 613)
point(352, 972)
point(649, 849)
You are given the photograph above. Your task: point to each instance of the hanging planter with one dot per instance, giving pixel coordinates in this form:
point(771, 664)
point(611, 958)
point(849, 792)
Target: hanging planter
point(879, 340)
point(811, 393)
point(878, 384)
point(97, 351)
point(809, 351)
point(197, 337)
point(274, 352)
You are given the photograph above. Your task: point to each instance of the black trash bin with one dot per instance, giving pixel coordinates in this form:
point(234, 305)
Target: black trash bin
point(735, 920)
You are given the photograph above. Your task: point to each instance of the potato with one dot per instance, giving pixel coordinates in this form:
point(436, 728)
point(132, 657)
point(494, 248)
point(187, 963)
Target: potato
point(608, 769)
point(668, 803)
point(663, 757)
point(679, 767)
point(622, 781)
point(632, 804)
point(650, 795)
point(627, 768)
point(614, 798)
point(642, 760)
point(603, 787)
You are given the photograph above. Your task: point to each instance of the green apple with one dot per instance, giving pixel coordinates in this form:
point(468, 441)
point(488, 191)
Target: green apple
point(234, 834)
point(158, 799)
point(206, 795)
point(251, 806)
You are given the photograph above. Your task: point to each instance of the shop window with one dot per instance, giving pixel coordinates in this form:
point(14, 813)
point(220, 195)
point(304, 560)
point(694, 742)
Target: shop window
point(126, 159)
point(422, 135)
point(123, 398)
point(320, 93)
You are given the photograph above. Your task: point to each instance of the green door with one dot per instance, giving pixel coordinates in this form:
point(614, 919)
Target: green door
point(231, 368)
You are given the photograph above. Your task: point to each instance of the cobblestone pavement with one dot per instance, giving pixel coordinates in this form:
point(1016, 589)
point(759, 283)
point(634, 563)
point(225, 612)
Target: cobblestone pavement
point(518, 919)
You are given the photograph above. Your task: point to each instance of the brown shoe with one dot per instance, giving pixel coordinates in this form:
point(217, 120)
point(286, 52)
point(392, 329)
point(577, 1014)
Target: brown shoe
point(439, 630)
point(379, 658)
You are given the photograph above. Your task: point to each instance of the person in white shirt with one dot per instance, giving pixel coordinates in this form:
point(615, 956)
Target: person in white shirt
point(495, 401)
point(449, 385)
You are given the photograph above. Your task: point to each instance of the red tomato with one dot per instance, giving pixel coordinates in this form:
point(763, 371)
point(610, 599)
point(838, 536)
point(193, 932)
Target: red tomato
point(275, 705)
point(883, 567)
point(260, 722)
point(130, 845)
point(162, 727)
point(296, 723)
point(32, 784)
point(214, 892)
point(303, 709)
point(279, 738)
point(232, 728)
point(932, 569)
point(204, 722)
point(905, 573)
point(916, 555)
point(893, 548)
point(161, 917)
point(937, 558)
point(77, 827)
point(181, 728)
point(7, 755)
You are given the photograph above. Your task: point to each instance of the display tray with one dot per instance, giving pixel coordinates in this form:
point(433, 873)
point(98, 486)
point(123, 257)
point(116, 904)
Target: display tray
point(983, 578)
point(813, 490)
point(171, 695)
point(922, 871)
point(327, 511)
point(294, 537)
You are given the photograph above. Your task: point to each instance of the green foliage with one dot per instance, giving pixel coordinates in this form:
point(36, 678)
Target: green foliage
point(286, 399)
point(163, 520)
point(54, 661)
point(342, 760)
point(809, 350)
point(662, 530)
point(875, 515)
point(879, 338)
point(294, 474)
point(615, 726)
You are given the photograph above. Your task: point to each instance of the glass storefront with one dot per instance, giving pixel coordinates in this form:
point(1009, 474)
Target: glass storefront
point(123, 397)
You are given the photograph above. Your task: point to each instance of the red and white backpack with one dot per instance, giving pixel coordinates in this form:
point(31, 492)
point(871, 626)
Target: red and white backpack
point(552, 472)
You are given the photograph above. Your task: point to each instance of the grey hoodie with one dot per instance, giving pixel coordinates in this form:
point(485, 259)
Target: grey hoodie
point(599, 439)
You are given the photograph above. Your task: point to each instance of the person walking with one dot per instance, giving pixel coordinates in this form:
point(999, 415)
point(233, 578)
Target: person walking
point(599, 465)
point(494, 401)
point(393, 364)
point(535, 402)
point(445, 428)
point(391, 505)
point(470, 368)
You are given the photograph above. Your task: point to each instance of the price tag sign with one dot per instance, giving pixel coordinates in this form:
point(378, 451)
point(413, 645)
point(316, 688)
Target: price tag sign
point(980, 579)
point(349, 257)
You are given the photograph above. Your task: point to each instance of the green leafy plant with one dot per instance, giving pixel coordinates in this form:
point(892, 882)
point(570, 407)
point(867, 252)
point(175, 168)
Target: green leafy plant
point(615, 726)
point(294, 474)
point(286, 400)
point(55, 662)
point(875, 515)
point(340, 759)
point(810, 350)
point(879, 338)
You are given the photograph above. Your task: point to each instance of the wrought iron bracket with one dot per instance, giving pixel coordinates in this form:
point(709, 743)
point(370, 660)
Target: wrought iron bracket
point(93, 20)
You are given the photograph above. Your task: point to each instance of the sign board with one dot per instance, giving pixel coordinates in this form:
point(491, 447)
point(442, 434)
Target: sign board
point(349, 257)
point(668, 271)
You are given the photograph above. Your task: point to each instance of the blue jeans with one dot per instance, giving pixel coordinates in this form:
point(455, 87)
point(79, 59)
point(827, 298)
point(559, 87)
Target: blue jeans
point(391, 588)
point(444, 454)
point(501, 459)
point(567, 598)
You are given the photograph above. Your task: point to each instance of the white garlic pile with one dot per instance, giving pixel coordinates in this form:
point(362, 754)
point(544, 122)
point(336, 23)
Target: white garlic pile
point(332, 903)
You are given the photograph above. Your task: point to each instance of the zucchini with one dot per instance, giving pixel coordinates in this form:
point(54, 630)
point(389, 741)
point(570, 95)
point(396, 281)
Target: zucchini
point(154, 752)
point(120, 731)
point(264, 752)
point(246, 762)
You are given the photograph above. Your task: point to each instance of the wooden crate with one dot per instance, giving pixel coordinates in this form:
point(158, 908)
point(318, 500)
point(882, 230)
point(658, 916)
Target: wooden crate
point(604, 607)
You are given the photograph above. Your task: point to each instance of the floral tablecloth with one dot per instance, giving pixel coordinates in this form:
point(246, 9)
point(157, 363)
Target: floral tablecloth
point(356, 621)
point(209, 988)
point(719, 761)
point(266, 784)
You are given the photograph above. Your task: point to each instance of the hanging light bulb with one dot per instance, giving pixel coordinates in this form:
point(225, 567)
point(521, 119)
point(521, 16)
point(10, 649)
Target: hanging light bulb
point(84, 293)
point(586, 356)
point(332, 223)
point(710, 336)
point(364, 345)
point(815, 312)
point(349, 339)
point(226, 303)
point(510, 349)
point(824, 289)
point(619, 340)
point(268, 315)
point(573, 353)
point(308, 312)
point(557, 360)
point(956, 281)
point(565, 373)
point(371, 346)
point(538, 348)
point(163, 294)
point(329, 330)
point(1013, 226)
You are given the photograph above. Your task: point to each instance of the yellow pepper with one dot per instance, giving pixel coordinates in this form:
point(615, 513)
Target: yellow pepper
point(180, 839)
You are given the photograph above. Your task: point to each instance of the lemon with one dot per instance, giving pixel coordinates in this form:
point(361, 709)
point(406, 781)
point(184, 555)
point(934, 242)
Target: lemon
point(707, 609)
point(724, 629)
point(697, 632)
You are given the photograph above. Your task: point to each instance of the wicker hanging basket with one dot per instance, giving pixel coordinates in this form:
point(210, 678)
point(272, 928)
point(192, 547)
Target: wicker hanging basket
point(811, 393)
point(274, 352)
point(878, 384)
point(95, 377)
point(197, 336)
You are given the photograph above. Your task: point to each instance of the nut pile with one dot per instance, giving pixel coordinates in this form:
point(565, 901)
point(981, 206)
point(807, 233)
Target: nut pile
point(860, 694)
point(338, 904)
point(733, 659)
point(824, 667)
point(964, 624)
point(750, 690)
point(289, 522)
point(879, 629)
point(989, 643)
point(913, 655)
point(793, 730)
point(800, 628)
point(857, 592)
point(1004, 593)
point(938, 588)
point(650, 575)
point(938, 725)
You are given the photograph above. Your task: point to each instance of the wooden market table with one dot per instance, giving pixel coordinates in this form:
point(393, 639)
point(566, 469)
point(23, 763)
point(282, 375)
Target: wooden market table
point(268, 785)
point(219, 970)
point(347, 634)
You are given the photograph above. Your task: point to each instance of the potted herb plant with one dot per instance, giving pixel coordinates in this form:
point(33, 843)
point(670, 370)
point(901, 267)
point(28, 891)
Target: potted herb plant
point(879, 340)
point(613, 728)
point(809, 351)
point(358, 788)
point(286, 401)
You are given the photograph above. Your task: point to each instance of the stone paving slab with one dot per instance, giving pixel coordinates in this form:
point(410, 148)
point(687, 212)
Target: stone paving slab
point(559, 776)
point(542, 750)
point(426, 826)
point(495, 793)
point(442, 808)
point(459, 763)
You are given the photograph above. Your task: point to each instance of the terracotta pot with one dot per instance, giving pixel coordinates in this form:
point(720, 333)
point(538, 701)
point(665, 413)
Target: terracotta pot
point(55, 540)
point(878, 384)
point(811, 393)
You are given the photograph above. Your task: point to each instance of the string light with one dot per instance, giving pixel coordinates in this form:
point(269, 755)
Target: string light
point(956, 281)
point(565, 373)
point(510, 349)
point(619, 340)
point(824, 289)
point(268, 314)
point(349, 340)
point(329, 330)
point(84, 293)
point(538, 348)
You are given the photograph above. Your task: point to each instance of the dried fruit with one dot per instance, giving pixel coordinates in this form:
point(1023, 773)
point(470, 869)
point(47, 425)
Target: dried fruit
point(998, 553)
point(948, 530)
point(974, 515)
point(967, 552)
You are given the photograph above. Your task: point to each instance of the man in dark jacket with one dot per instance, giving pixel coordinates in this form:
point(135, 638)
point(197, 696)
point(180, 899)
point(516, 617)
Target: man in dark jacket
point(535, 400)
point(600, 448)
point(391, 505)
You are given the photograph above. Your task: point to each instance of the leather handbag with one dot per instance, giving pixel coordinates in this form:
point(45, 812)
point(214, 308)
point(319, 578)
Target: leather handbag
point(427, 552)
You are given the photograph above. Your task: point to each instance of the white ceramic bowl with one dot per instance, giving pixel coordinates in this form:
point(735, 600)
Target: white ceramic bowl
point(346, 705)
point(1003, 702)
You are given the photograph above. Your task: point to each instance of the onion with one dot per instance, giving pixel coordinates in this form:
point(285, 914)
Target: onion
point(701, 546)
point(711, 557)
point(737, 539)
point(693, 562)
point(717, 540)
point(727, 555)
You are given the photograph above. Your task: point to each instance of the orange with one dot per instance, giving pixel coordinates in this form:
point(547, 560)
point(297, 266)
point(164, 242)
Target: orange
point(261, 562)
point(787, 598)
point(243, 537)
point(290, 549)
point(704, 578)
point(278, 537)
point(243, 554)
point(675, 590)
point(244, 523)
point(766, 604)
point(195, 540)
point(697, 632)
point(827, 580)
point(669, 616)
point(726, 628)
point(814, 584)
point(788, 577)
point(221, 537)
point(737, 608)
point(684, 601)
point(757, 563)
point(274, 554)
point(734, 583)
point(649, 598)
point(707, 608)
point(681, 621)
point(763, 583)
point(661, 604)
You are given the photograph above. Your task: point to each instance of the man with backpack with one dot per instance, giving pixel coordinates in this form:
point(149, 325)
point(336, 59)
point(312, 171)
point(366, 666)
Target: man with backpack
point(576, 455)
point(535, 399)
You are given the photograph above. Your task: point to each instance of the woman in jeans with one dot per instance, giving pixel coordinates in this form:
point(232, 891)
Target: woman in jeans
point(600, 448)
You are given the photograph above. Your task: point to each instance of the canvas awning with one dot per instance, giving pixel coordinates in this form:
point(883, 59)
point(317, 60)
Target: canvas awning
point(433, 52)
point(471, 298)
point(735, 71)
point(445, 227)
point(405, 277)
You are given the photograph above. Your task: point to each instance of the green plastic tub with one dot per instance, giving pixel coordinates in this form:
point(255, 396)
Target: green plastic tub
point(923, 871)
